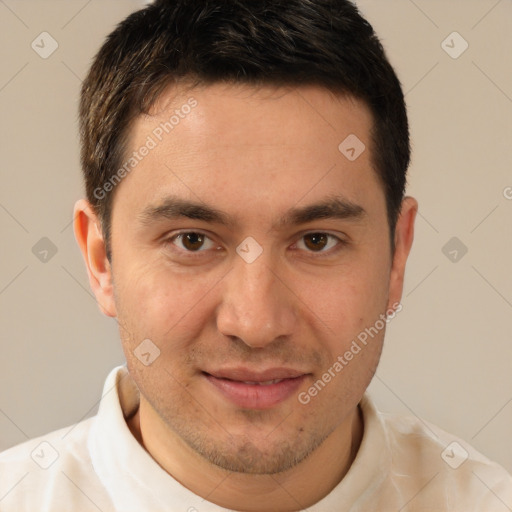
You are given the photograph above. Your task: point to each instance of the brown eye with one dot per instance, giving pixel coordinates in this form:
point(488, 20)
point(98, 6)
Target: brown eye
point(320, 243)
point(316, 241)
point(192, 242)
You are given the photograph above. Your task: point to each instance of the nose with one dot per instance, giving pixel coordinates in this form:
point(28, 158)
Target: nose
point(257, 305)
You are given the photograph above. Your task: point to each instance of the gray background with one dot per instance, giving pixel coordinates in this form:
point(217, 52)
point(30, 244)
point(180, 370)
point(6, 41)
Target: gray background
point(448, 354)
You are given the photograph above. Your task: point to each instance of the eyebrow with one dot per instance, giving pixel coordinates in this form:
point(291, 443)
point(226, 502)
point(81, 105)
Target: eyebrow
point(173, 207)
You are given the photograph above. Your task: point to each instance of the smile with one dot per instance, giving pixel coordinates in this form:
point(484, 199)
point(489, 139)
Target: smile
point(249, 390)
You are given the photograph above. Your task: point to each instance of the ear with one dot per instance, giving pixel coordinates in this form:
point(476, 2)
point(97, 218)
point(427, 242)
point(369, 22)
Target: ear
point(404, 235)
point(89, 237)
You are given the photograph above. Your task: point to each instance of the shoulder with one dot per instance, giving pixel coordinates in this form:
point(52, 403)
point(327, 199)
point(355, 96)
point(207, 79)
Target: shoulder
point(43, 451)
point(443, 469)
point(31, 472)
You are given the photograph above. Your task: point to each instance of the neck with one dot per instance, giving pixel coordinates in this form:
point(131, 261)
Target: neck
point(298, 488)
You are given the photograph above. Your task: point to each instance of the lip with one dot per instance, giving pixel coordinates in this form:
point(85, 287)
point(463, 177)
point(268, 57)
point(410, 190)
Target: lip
point(249, 389)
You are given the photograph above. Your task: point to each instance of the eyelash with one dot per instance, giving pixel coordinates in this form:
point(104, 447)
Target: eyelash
point(195, 254)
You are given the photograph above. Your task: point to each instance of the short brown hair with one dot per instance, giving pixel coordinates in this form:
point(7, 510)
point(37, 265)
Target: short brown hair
point(259, 42)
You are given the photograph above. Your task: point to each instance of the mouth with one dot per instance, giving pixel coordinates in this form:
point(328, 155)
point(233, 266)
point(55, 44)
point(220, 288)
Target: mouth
point(248, 389)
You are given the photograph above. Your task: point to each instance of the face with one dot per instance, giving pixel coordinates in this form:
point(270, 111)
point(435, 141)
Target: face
point(251, 252)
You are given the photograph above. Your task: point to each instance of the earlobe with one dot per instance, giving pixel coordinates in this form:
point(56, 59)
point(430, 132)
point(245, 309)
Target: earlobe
point(404, 236)
point(89, 237)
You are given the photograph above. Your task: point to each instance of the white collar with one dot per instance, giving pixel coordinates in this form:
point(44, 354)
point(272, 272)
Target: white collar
point(136, 482)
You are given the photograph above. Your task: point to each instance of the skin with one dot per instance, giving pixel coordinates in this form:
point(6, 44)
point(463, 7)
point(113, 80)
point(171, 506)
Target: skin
point(253, 154)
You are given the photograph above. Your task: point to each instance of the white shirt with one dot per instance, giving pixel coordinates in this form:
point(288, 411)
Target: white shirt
point(403, 464)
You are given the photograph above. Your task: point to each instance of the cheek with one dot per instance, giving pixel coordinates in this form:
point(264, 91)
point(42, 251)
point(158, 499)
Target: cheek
point(158, 304)
point(349, 298)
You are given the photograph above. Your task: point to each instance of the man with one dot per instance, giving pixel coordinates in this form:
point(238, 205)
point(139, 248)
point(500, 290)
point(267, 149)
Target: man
point(245, 223)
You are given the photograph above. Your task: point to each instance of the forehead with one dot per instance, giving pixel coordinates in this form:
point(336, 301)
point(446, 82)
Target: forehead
point(244, 147)
point(241, 111)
